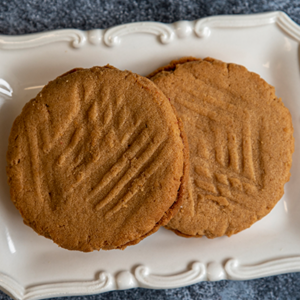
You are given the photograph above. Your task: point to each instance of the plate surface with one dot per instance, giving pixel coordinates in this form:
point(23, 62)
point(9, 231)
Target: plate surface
point(32, 267)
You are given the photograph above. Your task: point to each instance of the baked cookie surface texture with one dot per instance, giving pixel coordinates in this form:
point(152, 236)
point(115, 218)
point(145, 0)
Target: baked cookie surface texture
point(241, 143)
point(95, 161)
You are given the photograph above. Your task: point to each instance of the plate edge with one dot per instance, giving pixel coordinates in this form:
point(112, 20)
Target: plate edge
point(142, 277)
point(166, 33)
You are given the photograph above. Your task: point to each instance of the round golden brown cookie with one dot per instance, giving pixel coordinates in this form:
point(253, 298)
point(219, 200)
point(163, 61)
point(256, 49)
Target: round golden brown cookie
point(96, 160)
point(241, 143)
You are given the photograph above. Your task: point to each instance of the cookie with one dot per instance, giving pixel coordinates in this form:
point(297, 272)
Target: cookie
point(96, 160)
point(241, 143)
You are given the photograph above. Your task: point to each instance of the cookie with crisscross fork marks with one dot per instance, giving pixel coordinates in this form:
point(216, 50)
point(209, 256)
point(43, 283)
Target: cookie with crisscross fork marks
point(241, 143)
point(96, 160)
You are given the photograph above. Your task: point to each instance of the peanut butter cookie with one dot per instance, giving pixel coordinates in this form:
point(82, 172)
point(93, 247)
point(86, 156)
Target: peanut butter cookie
point(241, 143)
point(96, 160)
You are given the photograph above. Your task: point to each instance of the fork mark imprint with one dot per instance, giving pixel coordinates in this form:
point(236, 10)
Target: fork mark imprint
point(220, 200)
point(120, 164)
point(74, 141)
point(136, 165)
point(233, 152)
point(138, 184)
point(206, 186)
point(34, 158)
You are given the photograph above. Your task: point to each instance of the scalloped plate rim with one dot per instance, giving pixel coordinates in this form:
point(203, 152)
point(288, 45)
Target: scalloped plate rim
point(106, 281)
point(79, 38)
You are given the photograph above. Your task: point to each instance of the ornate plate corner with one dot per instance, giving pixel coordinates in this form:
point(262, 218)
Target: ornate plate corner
point(104, 283)
point(76, 38)
point(203, 27)
point(236, 271)
point(196, 274)
point(9, 285)
point(288, 26)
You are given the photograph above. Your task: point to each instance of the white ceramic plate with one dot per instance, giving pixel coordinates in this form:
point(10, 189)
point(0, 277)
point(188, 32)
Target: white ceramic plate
point(33, 267)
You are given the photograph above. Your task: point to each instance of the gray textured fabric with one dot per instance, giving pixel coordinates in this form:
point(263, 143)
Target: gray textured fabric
point(21, 17)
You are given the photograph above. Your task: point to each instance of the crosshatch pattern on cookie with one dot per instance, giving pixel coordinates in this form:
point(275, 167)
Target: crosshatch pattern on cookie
point(107, 154)
point(107, 130)
point(227, 158)
point(233, 121)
